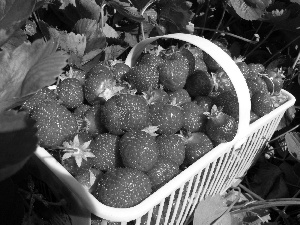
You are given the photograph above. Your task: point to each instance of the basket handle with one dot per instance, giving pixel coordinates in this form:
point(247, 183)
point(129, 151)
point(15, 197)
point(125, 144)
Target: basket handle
point(220, 57)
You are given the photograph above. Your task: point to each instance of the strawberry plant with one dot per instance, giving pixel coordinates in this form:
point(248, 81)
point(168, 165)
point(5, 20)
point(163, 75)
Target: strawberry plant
point(64, 86)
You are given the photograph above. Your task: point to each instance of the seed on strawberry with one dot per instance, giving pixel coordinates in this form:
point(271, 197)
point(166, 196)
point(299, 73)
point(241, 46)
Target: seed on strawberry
point(55, 123)
point(179, 96)
point(197, 145)
point(162, 172)
point(105, 147)
point(138, 150)
point(70, 93)
point(261, 104)
point(220, 127)
point(256, 68)
point(193, 118)
point(199, 83)
point(172, 147)
point(119, 70)
point(168, 118)
point(152, 60)
point(125, 112)
point(256, 84)
point(190, 57)
point(123, 188)
point(37, 98)
point(173, 72)
point(143, 77)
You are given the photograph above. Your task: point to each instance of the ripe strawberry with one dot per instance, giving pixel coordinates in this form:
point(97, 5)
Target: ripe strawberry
point(119, 70)
point(198, 55)
point(261, 104)
point(142, 77)
point(179, 96)
point(138, 150)
point(220, 127)
point(55, 123)
point(256, 84)
point(276, 76)
point(125, 112)
point(197, 145)
point(205, 102)
point(229, 103)
point(89, 178)
point(168, 118)
point(172, 147)
point(193, 118)
point(162, 172)
point(77, 157)
point(155, 96)
point(253, 117)
point(244, 68)
point(70, 93)
point(93, 122)
point(190, 57)
point(199, 83)
point(37, 98)
point(256, 68)
point(222, 81)
point(123, 188)
point(151, 60)
point(105, 147)
point(210, 62)
point(173, 72)
point(99, 84)
point(80, 110)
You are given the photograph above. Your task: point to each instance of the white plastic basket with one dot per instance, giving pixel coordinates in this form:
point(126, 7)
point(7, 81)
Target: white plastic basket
point(214, 173)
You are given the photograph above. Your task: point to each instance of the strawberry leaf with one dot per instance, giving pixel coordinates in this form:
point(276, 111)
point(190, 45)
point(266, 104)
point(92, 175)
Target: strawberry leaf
point(140, 4)
point(65, 3)
point(13, 13)
point(125, 9)
point(292, 140)
point(18, 141)
point(95, 38)
point(28, 68)
point(110, 32)
point(209, 210)
point(73, 43)
point(245, 11)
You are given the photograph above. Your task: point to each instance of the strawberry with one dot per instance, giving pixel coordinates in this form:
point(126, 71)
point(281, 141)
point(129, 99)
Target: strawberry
point(99, 84)
point(276, 76)
point(77, 157)
point(37, 98)
point(179, 96)
point(105, 147)
point(244, 68)
point(125, 112)
point(222, 81)
point(198, 55)
point(152, 60)
point(193, 118)
point(70, 93)
point(229, 103)
point(93, 122)
point(80, 110)
point(173, 72)
point(220, 127)
point(205, 102)
point(138, 150)
point(143, 77)
point(210, 62)
point(256, 84)
point(197, 145)
point(190, 57)
point(162, 172)
point(89, 178)
point(168, 118)
point(199, 83)
point(119, 70)
point(55, 123)
point(155, 96)
point(261, 104)
point(253, 117)
point(171, 147)
point(123, 188)
point(256, 68)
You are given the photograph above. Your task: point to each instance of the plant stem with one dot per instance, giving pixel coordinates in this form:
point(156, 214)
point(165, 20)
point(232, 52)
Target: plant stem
point(290, 130)
point(296, 61)
point(142, 13)
point(260, 43)
point(256, 31)
point(227, 33)
point(36, 19)
point(205, 18)
point(279, 51)
point(220, 22)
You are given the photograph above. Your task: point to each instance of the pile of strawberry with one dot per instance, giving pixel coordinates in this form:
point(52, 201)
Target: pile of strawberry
point(124, 132)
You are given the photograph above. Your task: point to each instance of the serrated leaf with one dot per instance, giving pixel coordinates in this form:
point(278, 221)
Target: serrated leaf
point(18, 38)
point(95, 38)
point(245, 11)
point(125, 9)
point(209, 210)
point(28, 68)
point(114, 51)
point(13, 13)
point(18, 141)
point(110, 32)
point(292, 140)
point(296, 1)
point(74, 43)
point(65, 3)
point(253, 217)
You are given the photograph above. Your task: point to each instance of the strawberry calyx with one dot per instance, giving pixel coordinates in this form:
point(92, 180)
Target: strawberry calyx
point(108, 89)
point(151, 130)
point(215, 113)
point(77, 150)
